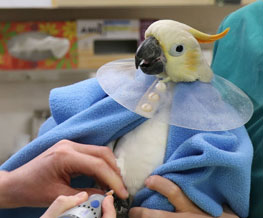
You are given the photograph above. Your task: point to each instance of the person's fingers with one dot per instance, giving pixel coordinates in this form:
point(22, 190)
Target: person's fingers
point(108, 207)
point(228, 213)
point(174, 194)
point(67, 148)
point(99, 151)
point(63, 203)
point(140, 212)
point(98, 168)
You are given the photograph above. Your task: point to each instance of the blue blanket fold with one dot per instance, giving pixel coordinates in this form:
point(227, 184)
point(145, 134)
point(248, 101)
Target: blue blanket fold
point(211, 167)
point(206, 166)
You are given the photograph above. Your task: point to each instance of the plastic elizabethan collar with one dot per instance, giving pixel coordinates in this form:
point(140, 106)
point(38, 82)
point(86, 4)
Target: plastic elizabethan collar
point(215, 106)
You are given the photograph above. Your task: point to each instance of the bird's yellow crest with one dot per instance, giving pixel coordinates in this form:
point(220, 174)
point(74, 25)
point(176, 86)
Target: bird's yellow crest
point(206, 38)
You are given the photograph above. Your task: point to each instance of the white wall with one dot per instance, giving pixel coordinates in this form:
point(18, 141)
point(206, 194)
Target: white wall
point(18, 101)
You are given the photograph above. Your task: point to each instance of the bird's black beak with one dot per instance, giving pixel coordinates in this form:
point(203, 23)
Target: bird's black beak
point(149, 57)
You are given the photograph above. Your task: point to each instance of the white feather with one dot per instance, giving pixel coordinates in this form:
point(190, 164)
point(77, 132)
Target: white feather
point(140, 151)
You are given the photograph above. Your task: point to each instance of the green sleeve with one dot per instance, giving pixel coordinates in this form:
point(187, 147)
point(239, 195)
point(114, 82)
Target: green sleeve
point(239, 58)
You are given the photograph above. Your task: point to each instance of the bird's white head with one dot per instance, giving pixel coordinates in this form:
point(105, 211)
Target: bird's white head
point(171, 50)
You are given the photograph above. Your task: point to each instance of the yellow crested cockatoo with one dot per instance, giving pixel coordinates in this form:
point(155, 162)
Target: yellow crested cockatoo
point(171, 51)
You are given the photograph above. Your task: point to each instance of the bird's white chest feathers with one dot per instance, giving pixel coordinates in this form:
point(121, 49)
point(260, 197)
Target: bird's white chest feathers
point(140, 151)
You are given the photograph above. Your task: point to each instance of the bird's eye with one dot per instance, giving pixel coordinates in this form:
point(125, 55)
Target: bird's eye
point(176, 50)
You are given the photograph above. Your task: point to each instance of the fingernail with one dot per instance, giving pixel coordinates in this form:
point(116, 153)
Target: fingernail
point(125, 193)
point(81, 194)
point(111, 192)
point(147, 181)
point(111, 198)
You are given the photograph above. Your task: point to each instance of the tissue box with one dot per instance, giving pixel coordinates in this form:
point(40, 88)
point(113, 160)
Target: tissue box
point(38, 45)
point(101, 41)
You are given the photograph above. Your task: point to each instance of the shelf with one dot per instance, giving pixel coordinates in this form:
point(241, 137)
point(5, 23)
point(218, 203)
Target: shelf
point(191, 15)
point(134, 3)
point(203, 15)
point(27, 3)
point(104, 4)
point(129, 3)
point(43, 76)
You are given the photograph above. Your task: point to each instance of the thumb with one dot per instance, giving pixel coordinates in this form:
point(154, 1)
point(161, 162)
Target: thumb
point(108, 207)
point(63, 203)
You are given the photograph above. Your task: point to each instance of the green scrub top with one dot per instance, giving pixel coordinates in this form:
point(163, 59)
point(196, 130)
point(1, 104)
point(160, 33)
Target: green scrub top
point(239, 58)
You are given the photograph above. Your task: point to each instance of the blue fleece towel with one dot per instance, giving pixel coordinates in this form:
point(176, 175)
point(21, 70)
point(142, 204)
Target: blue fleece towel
point(212, 168)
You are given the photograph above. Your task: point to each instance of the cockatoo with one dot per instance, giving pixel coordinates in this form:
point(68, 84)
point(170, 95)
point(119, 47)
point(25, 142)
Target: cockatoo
point(171, 51)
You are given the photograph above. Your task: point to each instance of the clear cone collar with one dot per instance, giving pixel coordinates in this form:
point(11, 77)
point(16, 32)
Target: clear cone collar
point(215, 106)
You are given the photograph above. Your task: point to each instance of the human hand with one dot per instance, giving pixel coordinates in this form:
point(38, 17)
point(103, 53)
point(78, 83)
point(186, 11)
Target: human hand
point(64, 203)
point(185, 208)
point(43, 179)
